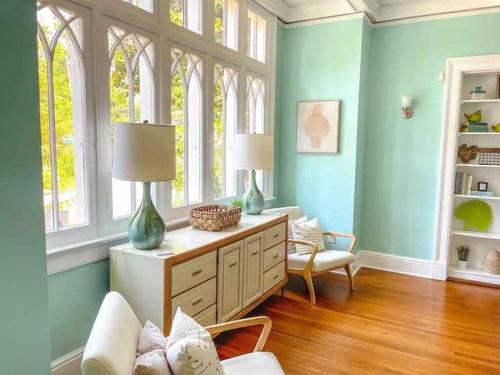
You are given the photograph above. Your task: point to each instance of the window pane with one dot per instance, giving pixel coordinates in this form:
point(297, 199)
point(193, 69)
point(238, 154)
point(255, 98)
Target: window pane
point(256, 36)
point(143, 4)
point(186, 113)
point(62, 118)
point(225, 120)
point(131, 100)
point(226, 23)
point(187, 13)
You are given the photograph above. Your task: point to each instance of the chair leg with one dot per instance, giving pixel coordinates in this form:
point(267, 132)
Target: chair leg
point(349, 275)
point(310, 286)
point(282, 291)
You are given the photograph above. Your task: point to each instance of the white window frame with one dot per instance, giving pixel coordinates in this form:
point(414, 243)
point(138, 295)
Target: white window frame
point(99, 15)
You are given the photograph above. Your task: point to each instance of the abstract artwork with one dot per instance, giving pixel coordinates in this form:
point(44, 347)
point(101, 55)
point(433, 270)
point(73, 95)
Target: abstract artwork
point(318, 127)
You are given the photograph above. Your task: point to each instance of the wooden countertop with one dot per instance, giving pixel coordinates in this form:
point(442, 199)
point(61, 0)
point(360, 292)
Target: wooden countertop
point(186, 243)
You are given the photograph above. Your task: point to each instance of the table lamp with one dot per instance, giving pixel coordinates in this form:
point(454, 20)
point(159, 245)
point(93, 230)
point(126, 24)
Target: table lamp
point(253, 151)
point(145, 153)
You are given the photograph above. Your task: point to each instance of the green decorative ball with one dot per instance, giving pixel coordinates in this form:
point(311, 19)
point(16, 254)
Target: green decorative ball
point(476, 214)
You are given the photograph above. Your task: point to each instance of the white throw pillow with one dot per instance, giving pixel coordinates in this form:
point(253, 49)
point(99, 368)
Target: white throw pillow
point(291, 246)
point(191, 350)
point(151, 339)
point(308, 231)
point(152, 363)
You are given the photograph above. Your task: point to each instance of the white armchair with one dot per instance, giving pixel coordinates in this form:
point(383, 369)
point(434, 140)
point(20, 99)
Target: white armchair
point(316, 263)
point(111, 348)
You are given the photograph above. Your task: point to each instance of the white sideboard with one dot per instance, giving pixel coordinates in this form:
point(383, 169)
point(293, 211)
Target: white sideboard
point(212, 276)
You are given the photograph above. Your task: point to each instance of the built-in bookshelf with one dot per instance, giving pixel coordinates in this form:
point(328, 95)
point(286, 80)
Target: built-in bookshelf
point(460, 178)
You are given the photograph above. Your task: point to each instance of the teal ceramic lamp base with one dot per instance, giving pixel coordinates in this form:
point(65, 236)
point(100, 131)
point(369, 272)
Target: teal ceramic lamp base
point(146, 230)
point(253, 200)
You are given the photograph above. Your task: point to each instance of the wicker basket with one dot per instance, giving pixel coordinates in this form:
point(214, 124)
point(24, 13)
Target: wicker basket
point(214, 217)
point(489, 156)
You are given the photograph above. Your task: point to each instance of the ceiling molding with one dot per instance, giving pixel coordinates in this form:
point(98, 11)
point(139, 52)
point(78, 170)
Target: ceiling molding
point(303, 11)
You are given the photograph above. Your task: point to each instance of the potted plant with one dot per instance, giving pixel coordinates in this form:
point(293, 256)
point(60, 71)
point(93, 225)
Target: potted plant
point(463, 256)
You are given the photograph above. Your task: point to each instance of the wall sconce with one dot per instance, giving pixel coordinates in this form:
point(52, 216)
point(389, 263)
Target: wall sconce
point(407, 110)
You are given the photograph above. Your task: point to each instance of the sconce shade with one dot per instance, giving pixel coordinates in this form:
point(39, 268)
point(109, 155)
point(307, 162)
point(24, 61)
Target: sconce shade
point(254, 151)
point(144, 152)
point(406, 101)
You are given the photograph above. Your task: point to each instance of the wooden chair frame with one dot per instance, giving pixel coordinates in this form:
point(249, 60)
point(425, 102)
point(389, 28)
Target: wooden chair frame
point(266, 323)
point(307, 272)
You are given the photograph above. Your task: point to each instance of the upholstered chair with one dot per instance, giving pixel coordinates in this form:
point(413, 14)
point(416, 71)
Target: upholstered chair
point(112, 345)
point(317, 262)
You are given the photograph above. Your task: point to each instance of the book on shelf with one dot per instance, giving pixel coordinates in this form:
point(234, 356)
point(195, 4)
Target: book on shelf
point(488, 194)
point(463, 183)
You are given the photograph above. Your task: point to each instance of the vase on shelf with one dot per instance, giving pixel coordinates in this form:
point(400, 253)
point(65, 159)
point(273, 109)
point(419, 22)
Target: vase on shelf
point(462, 264)
point(492, 262)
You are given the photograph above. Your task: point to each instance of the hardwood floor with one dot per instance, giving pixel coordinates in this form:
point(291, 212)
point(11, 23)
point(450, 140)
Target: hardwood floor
point(391, 324)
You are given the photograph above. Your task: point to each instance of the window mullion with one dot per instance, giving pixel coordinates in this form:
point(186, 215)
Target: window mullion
point(186, 140)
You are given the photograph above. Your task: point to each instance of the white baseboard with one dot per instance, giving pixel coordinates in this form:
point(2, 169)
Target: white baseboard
point(400, 264)
point(68, 364)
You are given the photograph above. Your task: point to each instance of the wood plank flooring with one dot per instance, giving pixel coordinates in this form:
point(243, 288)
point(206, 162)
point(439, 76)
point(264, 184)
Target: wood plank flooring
point(391, 324)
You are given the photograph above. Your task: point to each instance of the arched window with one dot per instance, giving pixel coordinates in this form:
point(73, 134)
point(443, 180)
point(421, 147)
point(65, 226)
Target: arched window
point(187, 115)
point(62, 117)
point(131, 87)
point(224, 130)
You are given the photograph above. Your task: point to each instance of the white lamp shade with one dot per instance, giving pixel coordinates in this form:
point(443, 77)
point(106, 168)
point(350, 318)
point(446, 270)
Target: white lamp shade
point(406, 101)
point(144, 152)
point(254, 151)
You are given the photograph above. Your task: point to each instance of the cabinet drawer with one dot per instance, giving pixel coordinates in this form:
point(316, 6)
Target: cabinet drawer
point(274, 235)
point(274, 276)
point(274, 255)
point(197, 299)
point(207, 317)
point(193, 272)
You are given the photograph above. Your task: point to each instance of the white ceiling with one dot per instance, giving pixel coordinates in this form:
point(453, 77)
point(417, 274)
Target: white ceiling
point(377, 10)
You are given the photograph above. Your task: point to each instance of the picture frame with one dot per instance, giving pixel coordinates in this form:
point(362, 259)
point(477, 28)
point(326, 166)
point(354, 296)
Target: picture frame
point(482, 186)
point(318, 126)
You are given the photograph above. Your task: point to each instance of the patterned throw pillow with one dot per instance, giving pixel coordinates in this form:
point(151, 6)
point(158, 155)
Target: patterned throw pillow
point(308, 231)
point(190, 348)
point(151, 339)
point(152, 363)
point(291, 246)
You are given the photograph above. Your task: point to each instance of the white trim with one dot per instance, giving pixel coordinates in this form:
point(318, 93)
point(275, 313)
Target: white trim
point(68, 364)
point(326, 20)
point(399, 264)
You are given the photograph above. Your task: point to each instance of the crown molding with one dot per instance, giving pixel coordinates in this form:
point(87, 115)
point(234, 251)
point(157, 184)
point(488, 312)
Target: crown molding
point(415, 11)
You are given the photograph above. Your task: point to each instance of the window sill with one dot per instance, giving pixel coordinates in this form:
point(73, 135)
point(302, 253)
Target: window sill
point(77, 255)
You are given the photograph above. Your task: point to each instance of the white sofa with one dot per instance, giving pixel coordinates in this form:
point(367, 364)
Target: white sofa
point(111, 348)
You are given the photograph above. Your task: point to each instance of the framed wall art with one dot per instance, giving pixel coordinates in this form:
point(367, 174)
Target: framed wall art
point(318, 127)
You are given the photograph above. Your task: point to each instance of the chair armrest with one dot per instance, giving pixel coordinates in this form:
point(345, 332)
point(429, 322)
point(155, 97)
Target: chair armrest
point(345, 235)
point(314, 250)
point(242, 323)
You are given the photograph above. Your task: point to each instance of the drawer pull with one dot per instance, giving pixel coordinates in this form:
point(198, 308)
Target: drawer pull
point(275, 277)
point(195, 273)
point(196, 301)
point(276, 235)
point(276, 256)
point(255, 252)
point(233, 264)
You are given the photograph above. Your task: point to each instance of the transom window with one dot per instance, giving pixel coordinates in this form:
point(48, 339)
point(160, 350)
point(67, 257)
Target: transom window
point(103, 62)
point(226, 23)
point(188, 14)
point(256, 36)
point(62, 117)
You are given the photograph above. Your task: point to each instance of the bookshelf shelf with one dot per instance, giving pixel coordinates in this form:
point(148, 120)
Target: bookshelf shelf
point(474, 274)
point(490, 134)
point(484, 235)
point(466, 196)
point(477, 166)
point(482, 101)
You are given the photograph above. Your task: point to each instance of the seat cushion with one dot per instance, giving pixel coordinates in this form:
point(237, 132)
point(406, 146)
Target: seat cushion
point(323, 261)
point(261, 363)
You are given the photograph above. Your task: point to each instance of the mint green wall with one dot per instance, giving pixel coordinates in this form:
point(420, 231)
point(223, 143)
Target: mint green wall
point(401, 163)
point(74, 299)
point(319, 62)
point(24, 343)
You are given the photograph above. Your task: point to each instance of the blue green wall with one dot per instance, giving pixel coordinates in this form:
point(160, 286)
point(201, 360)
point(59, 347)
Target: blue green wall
point(24, 334)
point(401, 163)
point(319, 62)
point(74, 299)
point(383, 184)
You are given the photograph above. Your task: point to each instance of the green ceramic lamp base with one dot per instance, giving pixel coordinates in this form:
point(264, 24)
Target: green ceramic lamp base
point(146, 229)
point(253, 199)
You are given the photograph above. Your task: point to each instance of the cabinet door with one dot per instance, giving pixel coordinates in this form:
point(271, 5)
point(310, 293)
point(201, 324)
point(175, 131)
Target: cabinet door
point(252, 268)
point(229, 290)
